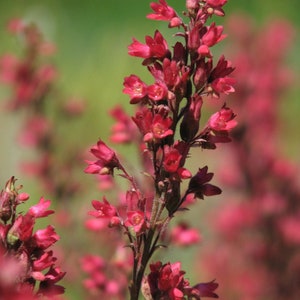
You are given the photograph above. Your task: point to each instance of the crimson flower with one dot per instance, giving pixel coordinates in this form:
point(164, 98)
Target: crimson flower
point(156, 47)
point(40, 210)
point(135, 88)
point(44, 238)
point(157, 91)
point(103, 209)
point(154, 128)
point(136, 220)
point(199, 185)
point(163, 12)
point(107, 160)
point(167, 281)
point(215, 7)
point(222, 120)
point(160, 128)
point(212, 36)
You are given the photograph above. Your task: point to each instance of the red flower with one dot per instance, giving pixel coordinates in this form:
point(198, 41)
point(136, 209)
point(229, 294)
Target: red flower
point(40, 210)
point(223, 85)
point(215, 7)
point(103, 209)
point(44, 238)
point(154, 48)
point(107, 160)
point(44, 261)
point(135, 88)
point(157, 91)
point(136, 219)
point(171, 160)
point(154, 128)
point(160, 128)
point(199, 185)
point(222, 120)
point(164, 12)
point(212, 36)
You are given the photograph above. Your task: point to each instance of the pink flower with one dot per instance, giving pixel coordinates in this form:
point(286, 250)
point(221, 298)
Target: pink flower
point(157, 91)
point(171, 160)
point(40, 210)
point(160, 128)
point(164, 12)
point(44, 261)
point(182, 235)
point(103, 209)
point(135, 88)
point(167, 281)
point(107, 160)
point(44, 238)
point(215, 7)
point(223, 85)
point(212, 36)
point(136, 219)
point(155, 48)
point(154, 128)
point(222, 120)
point(21, 229)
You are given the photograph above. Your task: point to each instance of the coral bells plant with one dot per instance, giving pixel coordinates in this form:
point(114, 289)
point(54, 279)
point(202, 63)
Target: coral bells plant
point(27, 266)
point(167, 126)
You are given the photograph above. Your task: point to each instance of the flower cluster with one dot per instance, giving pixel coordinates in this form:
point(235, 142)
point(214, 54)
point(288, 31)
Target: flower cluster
point(168, 120)
point(27, 266)
point(259, 224)
point(31, 79)
point(167, 282)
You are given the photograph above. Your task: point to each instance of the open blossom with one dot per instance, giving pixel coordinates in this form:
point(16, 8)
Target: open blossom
point(135, 88)
point(160, 128)
point(214, 34)
point(154, 128)
point(40, 210)
point(222, 120)
point(107, 160)
point(156, 47)
point(157, 91)
point(164, 12)
point(44, 238)
point(103, 209)
point(136, 220)
point(216, 7)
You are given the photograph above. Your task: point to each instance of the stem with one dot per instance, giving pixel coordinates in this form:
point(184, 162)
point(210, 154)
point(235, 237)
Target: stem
point(138, 276)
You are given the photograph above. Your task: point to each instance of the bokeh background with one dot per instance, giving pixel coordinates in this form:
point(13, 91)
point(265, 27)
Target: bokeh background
point(91, 39)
